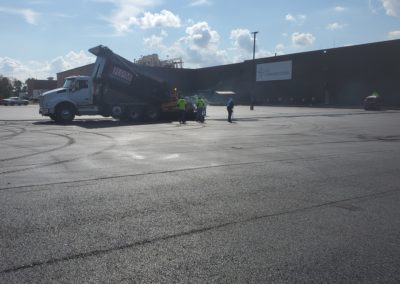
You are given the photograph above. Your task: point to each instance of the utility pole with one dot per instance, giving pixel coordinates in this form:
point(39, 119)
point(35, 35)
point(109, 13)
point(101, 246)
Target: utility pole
point(254, 57)
point(254, 44)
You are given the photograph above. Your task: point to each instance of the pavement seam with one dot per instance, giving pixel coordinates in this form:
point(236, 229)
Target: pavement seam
point(190, 232)
point(175, 170)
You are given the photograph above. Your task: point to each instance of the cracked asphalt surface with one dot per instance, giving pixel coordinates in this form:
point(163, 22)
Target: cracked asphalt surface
point(280, 195)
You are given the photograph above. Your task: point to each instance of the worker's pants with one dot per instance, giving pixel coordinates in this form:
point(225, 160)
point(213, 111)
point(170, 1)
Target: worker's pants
point(182, 116)
point(230, 111)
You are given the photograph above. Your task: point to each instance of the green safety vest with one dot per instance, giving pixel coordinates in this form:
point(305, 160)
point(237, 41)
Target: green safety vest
point(201, 103)
point(181, 104)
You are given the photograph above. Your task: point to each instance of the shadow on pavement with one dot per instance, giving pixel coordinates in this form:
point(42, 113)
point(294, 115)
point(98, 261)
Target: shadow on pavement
point(99, 123)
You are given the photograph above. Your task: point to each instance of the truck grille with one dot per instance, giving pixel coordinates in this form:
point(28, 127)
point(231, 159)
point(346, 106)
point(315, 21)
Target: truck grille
point(40, 100)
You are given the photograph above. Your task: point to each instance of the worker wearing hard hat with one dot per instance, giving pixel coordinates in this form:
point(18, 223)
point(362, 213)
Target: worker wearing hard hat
point(182, 110)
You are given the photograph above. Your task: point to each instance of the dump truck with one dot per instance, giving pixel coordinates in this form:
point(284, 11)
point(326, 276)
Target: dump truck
point(117, 88)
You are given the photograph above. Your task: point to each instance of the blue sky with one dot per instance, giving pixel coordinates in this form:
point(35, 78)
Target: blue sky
point(42, 37)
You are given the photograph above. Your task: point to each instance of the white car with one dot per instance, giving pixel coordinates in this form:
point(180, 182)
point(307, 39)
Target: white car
point(14, 101)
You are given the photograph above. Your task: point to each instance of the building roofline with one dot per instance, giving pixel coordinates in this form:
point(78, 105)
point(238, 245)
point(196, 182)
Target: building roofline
point(326, 50)
point(77, 68)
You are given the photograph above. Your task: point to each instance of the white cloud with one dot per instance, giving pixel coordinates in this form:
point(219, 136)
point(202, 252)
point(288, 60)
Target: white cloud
point(335, 26)
point(30, 16)
point(130, 13)
point(392, 7)
point(126, 13)
point(164, 19)
point(340, 9)
point(154, 42)
point(202, 36)
point(290, 18)
point(302, 39)
point(243, 42)
point(199, 48)
point(13, 68)
point(200, 3)
point(394, 35)
point(280, 46)
point(70, 60)
point(242, 39)
point(299, 19)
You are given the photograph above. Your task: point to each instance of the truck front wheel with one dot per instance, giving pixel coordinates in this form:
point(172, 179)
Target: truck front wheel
point(65, 113)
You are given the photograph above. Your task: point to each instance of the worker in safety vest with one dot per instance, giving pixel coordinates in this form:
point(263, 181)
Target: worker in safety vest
point(201, 105)
point(182, 110)
point(375, 94)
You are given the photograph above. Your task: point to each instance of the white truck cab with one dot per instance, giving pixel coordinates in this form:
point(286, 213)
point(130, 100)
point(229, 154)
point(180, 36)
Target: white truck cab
point(74, 98)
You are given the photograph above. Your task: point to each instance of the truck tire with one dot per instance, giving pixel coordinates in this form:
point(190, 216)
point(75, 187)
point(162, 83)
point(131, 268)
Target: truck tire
point(117, 111)
point(65, 113)
point(53, 117)
point(152, 113)
point(135, 114)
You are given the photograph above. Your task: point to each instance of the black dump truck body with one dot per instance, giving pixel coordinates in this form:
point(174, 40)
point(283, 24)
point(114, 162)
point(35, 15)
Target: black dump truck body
point(122, 89)
point(117, 88)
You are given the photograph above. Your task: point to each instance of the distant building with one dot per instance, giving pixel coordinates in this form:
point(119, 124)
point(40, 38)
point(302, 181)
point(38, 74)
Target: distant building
point(154, 61)
point(149, 60)
point(38, 87)
point(85, 70)
point(341, 76)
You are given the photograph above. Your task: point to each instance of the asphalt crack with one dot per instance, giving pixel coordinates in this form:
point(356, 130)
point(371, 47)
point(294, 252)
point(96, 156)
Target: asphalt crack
point(190, 232)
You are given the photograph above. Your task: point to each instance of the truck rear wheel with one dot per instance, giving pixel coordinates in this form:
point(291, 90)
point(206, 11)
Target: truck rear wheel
point(153, 113)
point(135, 114)
point(116, 111)
point(65, 113)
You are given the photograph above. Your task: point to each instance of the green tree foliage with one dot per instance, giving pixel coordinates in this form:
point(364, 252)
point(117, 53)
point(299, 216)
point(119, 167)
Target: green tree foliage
point(6, 87)
point(27, 82)
point(11, 87)
point(17, 87)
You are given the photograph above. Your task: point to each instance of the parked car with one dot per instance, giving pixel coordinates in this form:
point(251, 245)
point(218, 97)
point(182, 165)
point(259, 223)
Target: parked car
point(372, 102)
point(14, 101)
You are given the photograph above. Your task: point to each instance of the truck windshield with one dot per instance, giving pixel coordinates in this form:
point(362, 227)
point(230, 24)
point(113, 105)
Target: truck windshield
point(68, 83)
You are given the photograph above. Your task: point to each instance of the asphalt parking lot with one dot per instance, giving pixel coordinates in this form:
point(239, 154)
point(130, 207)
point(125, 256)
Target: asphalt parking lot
point(281, 195)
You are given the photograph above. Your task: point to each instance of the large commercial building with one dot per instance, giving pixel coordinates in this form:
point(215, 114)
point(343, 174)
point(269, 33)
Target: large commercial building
point(338, 77)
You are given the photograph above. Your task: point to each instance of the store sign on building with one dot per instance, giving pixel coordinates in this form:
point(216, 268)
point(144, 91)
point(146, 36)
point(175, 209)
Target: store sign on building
point(274, 71)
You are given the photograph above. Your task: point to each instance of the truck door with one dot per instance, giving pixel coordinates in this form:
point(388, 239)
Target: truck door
point(81, 94)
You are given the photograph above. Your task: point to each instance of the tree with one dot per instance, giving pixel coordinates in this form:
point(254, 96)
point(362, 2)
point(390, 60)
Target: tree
point(6, 88)
point(17, 87)
point(28, 80)
point(27, 83)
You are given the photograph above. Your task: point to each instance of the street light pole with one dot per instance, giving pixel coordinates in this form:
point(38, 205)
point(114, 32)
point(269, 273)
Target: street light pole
point(254, 44)
point(254, 57)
